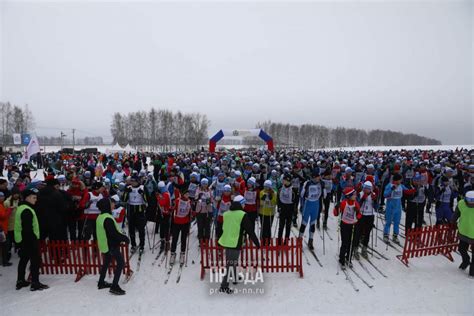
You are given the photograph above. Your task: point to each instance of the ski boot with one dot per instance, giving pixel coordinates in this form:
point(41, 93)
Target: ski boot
point(116, 290)
point(295, 224)
point(21, 284)
point(342, 264)
point(182, 256)
point(381, 210)
point(363, 252)
point(464, 265)
point(38, 286)
point(310, 244)
point(133, 249)
point(162, 245)
point(356, 253)
point(172, 258)
point(317, 225)
point(395, 239)
point(386, 239)
point(226, 290)
point(104, 285)
point(325, 226)
point(350, 264)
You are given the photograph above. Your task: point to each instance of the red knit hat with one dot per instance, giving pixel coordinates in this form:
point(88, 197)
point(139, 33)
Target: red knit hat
point(348, 191)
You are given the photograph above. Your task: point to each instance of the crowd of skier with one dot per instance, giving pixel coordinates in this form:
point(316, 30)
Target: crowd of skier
point(83, 195)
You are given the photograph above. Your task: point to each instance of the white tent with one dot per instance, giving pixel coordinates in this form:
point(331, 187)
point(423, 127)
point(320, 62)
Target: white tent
point(115, 149)
point(129, 149)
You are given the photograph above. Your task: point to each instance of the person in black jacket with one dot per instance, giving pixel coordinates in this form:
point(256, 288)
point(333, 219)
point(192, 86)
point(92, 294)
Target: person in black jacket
point(109, 238)
point(27, 235)
point(52, 211)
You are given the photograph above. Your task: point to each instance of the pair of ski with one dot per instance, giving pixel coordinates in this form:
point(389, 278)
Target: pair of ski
point(295, 232)
point(324, 231)
point(170, 269)
point(140, 253)
point(349, 278)
point(391, 245)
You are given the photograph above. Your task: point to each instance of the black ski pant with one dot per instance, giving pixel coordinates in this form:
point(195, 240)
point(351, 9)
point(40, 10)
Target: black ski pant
point(348, 235)
point(7, 247)
point(286, 214)
point(178, 229)
point(136, 221)
point(232, 260)
point(297, 202)
point(363, 229)
point(88, 229)
point(204, 226)
point(414, 215)
point(72, 226)
point(165, 223)
point(252, 216)
point(266, 231)
point(29, 253)
point(219, 229)
point(114, 253)
point(463, 250)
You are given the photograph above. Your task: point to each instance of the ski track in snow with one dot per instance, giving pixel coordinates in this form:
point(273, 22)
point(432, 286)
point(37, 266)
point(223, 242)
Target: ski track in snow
point(431, 285)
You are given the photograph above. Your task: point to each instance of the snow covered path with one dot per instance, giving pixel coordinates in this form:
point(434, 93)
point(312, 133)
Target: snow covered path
point(432, 285)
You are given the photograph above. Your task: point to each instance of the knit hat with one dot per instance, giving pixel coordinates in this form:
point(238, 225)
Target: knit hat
point(367, 185)
point(251, 181)
point(267, 184)
point(469, 197)
point(348, 191)
point(104, 205)
point(26, 193)
point(397, 177)
point(315, 173)
point(239, 199)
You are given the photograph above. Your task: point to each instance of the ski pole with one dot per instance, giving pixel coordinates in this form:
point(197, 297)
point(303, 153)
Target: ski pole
point(324, 245)
point(352, 242)
point(338, 237)
point(376, 230)
point(154, 230)
point(276, 226)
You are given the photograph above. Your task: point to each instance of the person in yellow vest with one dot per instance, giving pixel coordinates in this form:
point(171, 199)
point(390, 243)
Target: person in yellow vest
point(268, 202)
point(109, 237)
point(27, 236)
point(465, 213)
point(236, 223)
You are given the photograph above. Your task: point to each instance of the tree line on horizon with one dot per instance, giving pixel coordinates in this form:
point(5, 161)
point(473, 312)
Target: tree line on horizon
point(14, 119)
point(312, 136)
point(160, 129)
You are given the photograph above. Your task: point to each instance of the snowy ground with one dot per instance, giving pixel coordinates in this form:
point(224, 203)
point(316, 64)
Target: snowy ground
point(431, 285)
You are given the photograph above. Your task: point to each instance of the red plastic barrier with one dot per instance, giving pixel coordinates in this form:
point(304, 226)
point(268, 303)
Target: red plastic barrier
point(271, 257)
point(430, 240)
point(76, 257)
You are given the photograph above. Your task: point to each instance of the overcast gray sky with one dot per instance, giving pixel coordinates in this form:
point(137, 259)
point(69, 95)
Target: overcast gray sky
point(400, 65)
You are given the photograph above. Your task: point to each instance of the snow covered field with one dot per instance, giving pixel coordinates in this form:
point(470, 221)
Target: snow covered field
point(431, 285)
